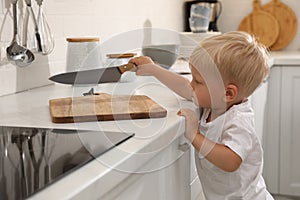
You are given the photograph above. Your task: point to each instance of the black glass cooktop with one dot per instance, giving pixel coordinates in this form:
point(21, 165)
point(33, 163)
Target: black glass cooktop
point(32, 158)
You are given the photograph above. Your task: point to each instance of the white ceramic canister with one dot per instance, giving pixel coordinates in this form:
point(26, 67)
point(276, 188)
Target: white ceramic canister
point(82, 54)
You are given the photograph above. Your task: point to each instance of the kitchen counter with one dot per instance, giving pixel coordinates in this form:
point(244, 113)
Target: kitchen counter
point(285, 58)
point(30, 109)
point(276, 58)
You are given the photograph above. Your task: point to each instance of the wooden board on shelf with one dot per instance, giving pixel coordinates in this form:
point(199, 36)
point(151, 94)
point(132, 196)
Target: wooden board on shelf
point(287, 20)
point(261, 24)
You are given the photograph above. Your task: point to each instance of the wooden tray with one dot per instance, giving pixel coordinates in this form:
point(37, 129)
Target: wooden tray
point(104, 107)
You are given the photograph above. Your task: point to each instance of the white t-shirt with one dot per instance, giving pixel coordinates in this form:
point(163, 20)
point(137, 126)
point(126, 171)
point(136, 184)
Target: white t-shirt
point(235, 129)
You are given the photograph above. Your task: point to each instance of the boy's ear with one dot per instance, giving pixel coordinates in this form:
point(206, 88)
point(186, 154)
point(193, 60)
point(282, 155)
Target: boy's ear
point(231, 92)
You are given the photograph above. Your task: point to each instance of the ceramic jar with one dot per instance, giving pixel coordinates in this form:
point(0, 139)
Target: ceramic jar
point(82, 54)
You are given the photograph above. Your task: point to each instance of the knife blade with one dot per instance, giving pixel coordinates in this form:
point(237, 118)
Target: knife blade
point(93, 76)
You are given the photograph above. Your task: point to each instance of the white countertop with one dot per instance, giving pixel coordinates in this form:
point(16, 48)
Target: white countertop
point(285, 58)
point(30, 109)
point(277, 58)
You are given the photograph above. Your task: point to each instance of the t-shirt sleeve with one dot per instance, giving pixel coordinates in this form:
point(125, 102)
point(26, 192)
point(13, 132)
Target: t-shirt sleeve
point(238, 137)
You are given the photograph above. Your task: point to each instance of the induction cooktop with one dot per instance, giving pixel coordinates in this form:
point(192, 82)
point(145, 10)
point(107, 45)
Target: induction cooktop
point(32, 158)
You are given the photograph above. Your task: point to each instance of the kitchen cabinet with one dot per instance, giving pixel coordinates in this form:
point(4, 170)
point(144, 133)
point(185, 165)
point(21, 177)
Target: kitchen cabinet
point(258, 101)
point(282, 131)
point(195, 185)
point(158, 178)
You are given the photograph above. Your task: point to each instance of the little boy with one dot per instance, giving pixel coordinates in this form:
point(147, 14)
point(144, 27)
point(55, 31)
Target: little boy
point(226, 69)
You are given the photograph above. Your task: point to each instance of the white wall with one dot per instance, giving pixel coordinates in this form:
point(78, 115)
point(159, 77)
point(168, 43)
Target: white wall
point(79, 18)
point(103, 18)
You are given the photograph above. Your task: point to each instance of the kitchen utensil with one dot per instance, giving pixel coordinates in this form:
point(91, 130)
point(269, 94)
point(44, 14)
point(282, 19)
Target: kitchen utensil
point(36, 28)
point(261, 24)
point(103, 107)
point(93, 76)
point(25, 28)
point(16, 53)
point(164, 54)
point(287, 20)
point(47, 38)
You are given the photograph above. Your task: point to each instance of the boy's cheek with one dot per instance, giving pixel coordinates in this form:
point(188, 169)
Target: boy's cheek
point(195, 101)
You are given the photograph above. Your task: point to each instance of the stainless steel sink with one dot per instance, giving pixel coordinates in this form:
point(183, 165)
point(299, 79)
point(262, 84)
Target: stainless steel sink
point(33, 158)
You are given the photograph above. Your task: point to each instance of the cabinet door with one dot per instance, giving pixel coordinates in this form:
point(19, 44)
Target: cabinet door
point(289, 172)
point(271, 128)
point(171, 181)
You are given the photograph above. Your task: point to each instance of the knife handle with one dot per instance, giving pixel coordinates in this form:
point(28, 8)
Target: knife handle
point(127, 67)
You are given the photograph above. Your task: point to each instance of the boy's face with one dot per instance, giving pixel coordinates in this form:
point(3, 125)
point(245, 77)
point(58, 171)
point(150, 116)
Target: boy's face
point(201, 96)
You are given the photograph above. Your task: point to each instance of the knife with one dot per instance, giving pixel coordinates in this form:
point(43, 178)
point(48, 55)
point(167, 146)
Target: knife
point(93, 76)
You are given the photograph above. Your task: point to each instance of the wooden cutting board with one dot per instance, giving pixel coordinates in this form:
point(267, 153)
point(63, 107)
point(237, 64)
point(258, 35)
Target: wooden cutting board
point(287, 20)
point(261, 24)
point(104, 107)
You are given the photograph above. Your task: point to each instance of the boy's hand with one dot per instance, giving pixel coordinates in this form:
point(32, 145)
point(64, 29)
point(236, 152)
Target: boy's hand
point(141, 60)
point(145, 65)
point(191, 123)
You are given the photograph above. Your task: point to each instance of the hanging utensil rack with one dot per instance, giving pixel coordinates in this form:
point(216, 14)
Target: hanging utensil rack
point(43, 42)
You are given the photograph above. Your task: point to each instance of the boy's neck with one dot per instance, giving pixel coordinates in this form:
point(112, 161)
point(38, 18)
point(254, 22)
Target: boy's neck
point(215, 113)
point(229, 105)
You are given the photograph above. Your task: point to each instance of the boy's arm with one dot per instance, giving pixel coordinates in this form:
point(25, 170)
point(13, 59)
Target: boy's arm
point(218, 154)
point(175, 82)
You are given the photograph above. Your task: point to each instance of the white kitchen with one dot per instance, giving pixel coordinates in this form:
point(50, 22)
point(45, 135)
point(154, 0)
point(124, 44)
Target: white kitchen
point(129, 156)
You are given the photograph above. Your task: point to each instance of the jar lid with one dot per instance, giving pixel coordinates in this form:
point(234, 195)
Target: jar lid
point(121, 55)
point(83, 39)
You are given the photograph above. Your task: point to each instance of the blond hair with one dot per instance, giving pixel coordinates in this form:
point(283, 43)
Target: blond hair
point(240, 59)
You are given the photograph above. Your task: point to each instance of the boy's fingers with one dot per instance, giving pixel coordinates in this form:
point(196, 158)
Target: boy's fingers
point(179, 112)
point(133, 61)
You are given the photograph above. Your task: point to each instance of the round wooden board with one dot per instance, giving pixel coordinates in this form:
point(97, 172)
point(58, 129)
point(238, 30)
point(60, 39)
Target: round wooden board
point(261, 24)
point(287, 23)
